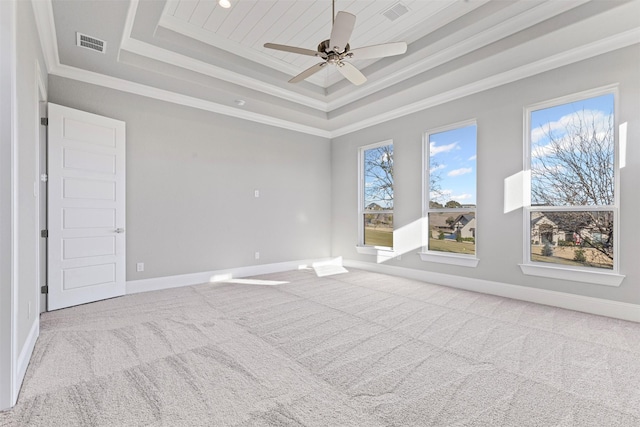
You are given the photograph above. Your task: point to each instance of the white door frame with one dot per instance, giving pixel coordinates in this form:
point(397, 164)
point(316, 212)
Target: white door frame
point(8, 110)
point(41, 210)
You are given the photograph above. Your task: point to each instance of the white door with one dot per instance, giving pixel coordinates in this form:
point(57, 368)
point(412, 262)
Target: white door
point(86, 207)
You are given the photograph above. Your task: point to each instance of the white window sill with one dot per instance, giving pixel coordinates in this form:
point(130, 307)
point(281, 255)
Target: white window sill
point(376, 250)
point(595, 277)
point(447, 258)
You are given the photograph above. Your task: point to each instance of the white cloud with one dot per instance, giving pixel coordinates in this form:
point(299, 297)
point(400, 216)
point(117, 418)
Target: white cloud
point(436, 149)
point(472, 157)
point(446, 195)
point(461, 171)
point(590, 118)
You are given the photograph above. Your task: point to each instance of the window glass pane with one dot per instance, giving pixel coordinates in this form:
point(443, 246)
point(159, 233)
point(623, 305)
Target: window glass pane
point(378, 178)
point(452, 232)
point(452, 168)
point(378, 229)
point(572, 154)
point(578, 238)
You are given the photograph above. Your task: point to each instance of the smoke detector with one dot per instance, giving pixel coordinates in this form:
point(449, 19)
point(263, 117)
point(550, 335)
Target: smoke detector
point(89, 42)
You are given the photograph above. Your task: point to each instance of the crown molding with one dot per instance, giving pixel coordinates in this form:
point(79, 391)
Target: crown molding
point(145, 49)
point(212, 39)
point(187, 63)
point(470, 41)
point(43, 14)
point(583, 52)
point(46, 29)
point(177, 98)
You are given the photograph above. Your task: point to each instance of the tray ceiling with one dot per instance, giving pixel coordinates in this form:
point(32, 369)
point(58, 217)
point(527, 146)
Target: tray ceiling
point(196, 53)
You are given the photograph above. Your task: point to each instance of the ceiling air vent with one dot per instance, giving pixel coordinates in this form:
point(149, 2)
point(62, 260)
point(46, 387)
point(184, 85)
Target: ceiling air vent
point(89, 42)
point(395, 11)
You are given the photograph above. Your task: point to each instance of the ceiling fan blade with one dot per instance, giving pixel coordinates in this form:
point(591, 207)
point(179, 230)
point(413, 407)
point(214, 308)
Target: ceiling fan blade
point(379, 51)
point(351, 73)
point(308, 72)
point(341, 31)
point(291, 49)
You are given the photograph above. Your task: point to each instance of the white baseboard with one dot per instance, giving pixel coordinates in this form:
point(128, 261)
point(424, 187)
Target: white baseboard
point(25, 356)
point(167, 282)
point(602, 307)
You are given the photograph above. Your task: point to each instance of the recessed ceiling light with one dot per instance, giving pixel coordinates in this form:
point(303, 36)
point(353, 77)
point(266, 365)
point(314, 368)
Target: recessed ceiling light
point(240, 102)
point(224, 3)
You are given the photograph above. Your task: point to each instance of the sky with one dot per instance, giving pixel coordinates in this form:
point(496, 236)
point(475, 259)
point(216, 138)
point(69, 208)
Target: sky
point(452, 153)
point(588, 117)
point(452, 157)
point(557, 117)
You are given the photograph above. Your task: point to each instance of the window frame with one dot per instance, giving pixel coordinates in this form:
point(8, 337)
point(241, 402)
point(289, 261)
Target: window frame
point(361, 247)
point(462, 260)
point(585, 274)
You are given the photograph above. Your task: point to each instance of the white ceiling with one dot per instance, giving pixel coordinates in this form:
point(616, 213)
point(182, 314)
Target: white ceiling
point(245, 27)
point(198, 54)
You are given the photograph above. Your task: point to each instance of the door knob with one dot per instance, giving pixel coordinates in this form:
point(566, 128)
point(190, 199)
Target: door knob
point(119, 230)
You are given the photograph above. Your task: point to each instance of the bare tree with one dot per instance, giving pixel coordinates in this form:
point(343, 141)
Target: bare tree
point(436, 195)
point(378, 169)
point(575, 167)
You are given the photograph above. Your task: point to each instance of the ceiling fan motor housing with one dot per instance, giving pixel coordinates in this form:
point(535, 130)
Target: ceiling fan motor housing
point(325, 48)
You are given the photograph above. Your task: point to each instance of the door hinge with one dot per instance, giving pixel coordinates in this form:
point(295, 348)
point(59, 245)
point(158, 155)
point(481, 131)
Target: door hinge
point(44, 233)
point(44, 289)
point(44, 121)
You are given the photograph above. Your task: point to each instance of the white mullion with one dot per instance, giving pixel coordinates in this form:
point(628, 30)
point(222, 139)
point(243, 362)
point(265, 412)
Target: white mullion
point(572, 208)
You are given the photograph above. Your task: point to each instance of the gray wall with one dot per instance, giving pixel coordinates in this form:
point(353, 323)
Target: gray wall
point(191, 177)
point(499, 114)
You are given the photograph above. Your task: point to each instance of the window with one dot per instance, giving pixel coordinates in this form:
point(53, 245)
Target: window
point(376, 195)
point(450, 192)
point(571, 155)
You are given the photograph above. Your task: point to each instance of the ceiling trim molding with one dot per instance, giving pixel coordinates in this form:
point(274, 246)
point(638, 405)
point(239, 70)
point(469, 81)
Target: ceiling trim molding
point(122, 85)
point(212, 39)
point(128, 24)
point(45, 24)
point(46, 29)
point(587, 51)
point(583, 52)
point(468, 44)
point(43, 14)
point(163, 55)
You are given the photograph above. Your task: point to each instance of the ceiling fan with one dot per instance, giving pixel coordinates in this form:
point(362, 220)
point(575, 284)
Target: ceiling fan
point(336, 49)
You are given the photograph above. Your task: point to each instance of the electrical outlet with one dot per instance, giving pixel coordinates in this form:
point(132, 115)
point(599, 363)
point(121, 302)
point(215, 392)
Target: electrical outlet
point(256, 193)
point(257, 255)
point(140, 266)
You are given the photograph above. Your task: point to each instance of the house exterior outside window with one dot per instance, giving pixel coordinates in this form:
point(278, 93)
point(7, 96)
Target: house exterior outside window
point(571, 154)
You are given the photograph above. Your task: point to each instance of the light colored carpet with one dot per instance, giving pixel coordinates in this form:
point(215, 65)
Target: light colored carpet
point(355, 349)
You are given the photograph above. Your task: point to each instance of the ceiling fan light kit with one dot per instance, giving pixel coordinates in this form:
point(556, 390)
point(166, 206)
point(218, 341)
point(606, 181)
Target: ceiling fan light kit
point(336, 49)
